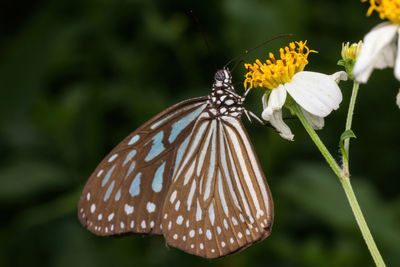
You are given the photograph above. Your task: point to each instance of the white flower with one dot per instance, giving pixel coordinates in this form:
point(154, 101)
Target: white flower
point(316, 93)
point(398, 99)
point(380, 49)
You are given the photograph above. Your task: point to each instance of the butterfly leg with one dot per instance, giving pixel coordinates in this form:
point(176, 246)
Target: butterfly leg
point(250, 114)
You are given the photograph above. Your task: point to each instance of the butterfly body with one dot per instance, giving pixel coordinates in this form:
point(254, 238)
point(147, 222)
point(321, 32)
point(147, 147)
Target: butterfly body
point(190, 174)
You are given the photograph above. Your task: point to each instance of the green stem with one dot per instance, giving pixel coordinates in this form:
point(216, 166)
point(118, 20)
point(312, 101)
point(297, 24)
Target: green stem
point(349, 121)
point(314, 136)
point(344, 179)
point(362, 224)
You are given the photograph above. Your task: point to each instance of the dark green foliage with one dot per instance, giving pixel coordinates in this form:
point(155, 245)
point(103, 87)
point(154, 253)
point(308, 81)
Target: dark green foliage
point(78, 76)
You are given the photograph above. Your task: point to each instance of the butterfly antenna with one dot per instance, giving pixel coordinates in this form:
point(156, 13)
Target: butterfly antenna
point(202, 32)
point(256, 47)
point(237, 64)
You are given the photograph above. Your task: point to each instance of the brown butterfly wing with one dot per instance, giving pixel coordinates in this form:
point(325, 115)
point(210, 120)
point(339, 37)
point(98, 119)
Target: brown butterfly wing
point(126, 192)
point(219, 201)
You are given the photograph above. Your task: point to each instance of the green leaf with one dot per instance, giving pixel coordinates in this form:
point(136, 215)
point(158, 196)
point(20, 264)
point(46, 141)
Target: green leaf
point(345, 135)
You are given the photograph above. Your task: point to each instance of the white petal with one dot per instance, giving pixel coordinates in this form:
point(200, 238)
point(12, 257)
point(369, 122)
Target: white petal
point(274, 101)
point(375, 51)
point(398, 99)
point(277, 98)
point(267, 112)
point(316, 122)
point(397, 65)
point(284, 131)
point(264, 100)
point(387, 56)
point(315, 92)
point(339, 76)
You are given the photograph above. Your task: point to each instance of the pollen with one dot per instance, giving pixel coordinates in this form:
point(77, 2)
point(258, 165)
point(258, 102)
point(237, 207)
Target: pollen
point(272, 73)
point(387, 9)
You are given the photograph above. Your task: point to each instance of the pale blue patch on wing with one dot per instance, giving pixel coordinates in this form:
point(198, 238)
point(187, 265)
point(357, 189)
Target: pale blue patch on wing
point(179, 154)
point(157, 146)
point(108, 175)
point(118, 195)
point(158, 123)
point(134, 139)
point(134, 189)
point(109, 191)
point(181, 124)
point(129, 157)
point(131, 168)
point(166, 118)
point(158, 178)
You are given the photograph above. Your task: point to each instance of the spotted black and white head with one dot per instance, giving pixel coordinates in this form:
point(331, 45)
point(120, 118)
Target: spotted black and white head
point(223, 98)
point(223, 77)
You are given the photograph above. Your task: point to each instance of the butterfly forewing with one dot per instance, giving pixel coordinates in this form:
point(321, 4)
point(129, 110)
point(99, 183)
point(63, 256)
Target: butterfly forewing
point(218, 202)
point(127, 190)
point(190, 173)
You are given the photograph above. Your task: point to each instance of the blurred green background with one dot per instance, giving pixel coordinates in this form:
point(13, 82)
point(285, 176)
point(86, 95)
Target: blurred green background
point(76, 77)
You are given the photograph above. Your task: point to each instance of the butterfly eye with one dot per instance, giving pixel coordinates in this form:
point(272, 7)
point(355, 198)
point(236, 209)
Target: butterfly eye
point(220, 76)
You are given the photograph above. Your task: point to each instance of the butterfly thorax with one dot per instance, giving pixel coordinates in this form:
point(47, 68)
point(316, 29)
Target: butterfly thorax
point(224, 101)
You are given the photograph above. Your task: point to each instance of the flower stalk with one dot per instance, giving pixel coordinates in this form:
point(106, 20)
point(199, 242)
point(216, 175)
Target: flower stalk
point(344, 179)
point(349, 121)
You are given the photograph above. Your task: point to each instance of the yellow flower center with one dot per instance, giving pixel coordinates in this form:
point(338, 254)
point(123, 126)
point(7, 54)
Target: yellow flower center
point(351, 51)
point(387, 9)
point(277, 71)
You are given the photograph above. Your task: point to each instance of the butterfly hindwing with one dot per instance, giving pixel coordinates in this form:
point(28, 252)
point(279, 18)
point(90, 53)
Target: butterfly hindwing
point(218, 202)
point(125, 193)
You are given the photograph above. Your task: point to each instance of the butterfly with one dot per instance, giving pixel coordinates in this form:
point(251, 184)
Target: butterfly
point(189, 174)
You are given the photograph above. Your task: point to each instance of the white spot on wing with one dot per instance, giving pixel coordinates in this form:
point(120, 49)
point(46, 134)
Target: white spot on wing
point(111, 216)
point(173, 196)
point(92, 208)
point(128, 209)
point(211, 214)
point(191, 193)
point(151, 207)
point(198, 211)
point(208, 234)
point(134, 139)
point(179, 220)
point(112, 158)
point(226, 224)
point(234, 221)
point(178, 203)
